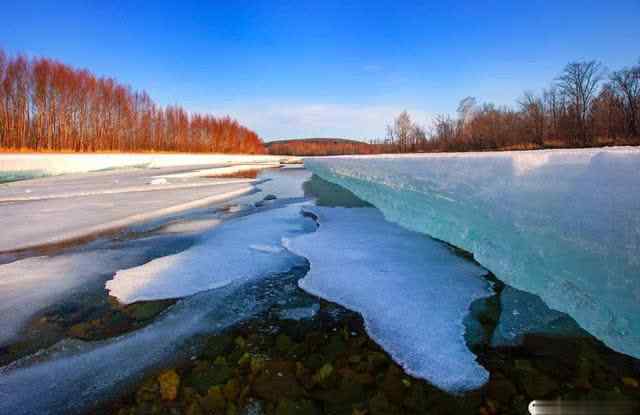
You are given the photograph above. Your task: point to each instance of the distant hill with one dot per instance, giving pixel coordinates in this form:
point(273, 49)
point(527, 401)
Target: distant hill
point(317, 140)
point(319, 147)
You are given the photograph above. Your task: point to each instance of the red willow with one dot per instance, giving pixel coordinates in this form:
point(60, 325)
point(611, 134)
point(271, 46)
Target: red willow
point(46, 105)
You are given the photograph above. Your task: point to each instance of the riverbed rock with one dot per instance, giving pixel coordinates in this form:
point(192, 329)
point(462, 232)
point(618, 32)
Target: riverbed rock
point(273, 385)
point(380, 405)
point(214, 400)
point(169, 382)
point(501, 390)
point(205, 376)
point(217, 345)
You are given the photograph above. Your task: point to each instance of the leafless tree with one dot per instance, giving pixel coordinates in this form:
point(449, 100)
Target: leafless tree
point(579, 82)
point(532, 109)
point(626, 82)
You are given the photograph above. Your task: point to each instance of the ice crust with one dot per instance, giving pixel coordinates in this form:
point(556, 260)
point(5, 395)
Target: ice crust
point(57, 209)
point(238, 249)
point(562, 224)
point(53, 164)
point(412, 291)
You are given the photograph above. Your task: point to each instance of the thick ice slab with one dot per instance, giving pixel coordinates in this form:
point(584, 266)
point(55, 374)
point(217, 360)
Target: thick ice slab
point(56, 209)
point(562, 224)
point(412, 291)
point(238, 249)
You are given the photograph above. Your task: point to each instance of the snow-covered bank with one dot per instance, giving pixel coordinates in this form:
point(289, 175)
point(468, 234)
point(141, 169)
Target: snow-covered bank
point(562, 224)
point(39, 164)
point(411, 290)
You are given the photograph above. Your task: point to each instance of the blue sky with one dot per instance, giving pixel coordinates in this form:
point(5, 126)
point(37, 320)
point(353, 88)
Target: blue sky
point(325, 68)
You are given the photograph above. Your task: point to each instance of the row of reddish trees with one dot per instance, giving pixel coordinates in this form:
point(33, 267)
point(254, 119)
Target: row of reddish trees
point(46, 105)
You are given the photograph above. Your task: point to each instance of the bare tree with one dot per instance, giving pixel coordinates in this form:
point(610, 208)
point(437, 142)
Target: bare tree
point(401, 130)
point(533, 110)
point(579, 82)
point(626, 82)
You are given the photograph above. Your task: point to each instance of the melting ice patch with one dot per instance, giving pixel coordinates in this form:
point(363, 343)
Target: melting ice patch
point(241, 248)
point(562, 224)
point(412, 291)
point(73, 376)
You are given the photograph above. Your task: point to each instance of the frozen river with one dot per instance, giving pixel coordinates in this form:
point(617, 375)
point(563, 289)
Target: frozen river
point(82, 251)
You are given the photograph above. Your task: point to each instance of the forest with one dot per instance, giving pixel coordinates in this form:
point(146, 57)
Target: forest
point(585, 106)
point(46, 105)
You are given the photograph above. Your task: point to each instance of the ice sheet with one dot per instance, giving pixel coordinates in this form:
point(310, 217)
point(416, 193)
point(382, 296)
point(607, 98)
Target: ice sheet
point(412, 291)
point(562, 224)
point(52, 164)
point(238, 249)
point(56, 209)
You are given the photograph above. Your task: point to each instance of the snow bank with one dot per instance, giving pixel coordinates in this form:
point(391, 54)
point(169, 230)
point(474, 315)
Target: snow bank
point(411, 290)
point(52, 164)
point(239, 249)
point(562, 224)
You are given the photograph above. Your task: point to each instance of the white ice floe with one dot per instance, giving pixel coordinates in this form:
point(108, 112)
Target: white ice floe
point(562, 224)
point(191, 226)
point(225, 254)
point(56, 209)
point(412, 291)
point(223, 170)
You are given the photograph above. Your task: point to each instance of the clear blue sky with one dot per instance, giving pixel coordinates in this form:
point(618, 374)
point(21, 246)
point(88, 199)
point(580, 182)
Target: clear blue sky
point(325, 68)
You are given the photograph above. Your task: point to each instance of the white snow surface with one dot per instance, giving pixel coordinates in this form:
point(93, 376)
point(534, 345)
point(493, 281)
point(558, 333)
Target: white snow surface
point(412, 291)
point(562, 224)
point(238, 249)
point(52, 164)
point(57, 209)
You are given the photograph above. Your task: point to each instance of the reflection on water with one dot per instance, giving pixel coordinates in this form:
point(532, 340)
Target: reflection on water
point(331, 195)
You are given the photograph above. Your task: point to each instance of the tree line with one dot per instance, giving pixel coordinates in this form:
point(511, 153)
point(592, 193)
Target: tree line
point(46, 105)
point(585, 106)
point(319, 147)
